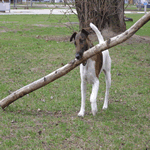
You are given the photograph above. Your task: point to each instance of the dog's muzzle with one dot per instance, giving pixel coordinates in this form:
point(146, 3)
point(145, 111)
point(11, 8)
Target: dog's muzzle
point(78, 56)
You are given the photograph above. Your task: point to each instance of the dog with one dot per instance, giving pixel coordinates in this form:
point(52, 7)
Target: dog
point(91, 68)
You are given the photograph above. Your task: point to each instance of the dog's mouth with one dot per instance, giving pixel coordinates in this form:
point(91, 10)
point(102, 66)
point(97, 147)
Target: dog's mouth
point(79, 56)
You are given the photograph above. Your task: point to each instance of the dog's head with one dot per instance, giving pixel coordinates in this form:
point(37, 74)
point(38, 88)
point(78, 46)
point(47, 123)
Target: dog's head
point(81, 42)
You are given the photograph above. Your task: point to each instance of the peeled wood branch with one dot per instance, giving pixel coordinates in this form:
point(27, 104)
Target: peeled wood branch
point(70, 66)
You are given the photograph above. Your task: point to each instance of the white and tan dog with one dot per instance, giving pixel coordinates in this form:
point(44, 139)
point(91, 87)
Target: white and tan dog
point(91, 69)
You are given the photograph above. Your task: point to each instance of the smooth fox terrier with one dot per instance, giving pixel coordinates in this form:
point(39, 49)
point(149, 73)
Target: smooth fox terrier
point(91, 69)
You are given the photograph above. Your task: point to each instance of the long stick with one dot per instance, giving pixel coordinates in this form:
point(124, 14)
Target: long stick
point(68, 67)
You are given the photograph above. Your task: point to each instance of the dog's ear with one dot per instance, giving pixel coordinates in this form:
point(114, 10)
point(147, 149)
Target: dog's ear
point(84, 31)
point(73, 36)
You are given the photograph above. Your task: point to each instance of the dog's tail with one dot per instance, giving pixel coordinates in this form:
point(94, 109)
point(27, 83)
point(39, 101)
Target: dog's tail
point(98, 33)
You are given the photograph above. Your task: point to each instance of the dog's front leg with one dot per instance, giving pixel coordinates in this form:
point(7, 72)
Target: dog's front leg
point(93, 97)
point(83, 97)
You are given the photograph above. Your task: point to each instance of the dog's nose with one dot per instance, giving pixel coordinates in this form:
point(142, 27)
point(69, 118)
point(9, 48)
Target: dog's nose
point(78, 56)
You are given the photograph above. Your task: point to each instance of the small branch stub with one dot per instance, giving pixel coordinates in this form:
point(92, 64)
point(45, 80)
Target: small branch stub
point(44, 79)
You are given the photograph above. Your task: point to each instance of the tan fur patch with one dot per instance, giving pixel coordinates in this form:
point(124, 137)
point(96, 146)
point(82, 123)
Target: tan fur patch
point(98, 63)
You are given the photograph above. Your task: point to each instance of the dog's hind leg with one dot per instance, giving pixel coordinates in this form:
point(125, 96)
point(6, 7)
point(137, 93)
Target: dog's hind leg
point(93, 97)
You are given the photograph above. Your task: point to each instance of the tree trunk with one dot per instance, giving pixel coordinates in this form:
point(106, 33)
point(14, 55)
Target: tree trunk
point(65, 2)
point(103, 13)
point(68, 67)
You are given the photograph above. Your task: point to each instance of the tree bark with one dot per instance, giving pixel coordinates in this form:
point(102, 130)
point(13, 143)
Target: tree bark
point(71, 65)
point(102, 13)
point(65, 2)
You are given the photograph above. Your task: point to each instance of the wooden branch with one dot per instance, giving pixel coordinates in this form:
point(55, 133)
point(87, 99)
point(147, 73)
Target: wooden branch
point(71, 65)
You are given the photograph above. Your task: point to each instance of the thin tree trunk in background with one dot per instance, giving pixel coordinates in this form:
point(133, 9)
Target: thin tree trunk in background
point(65, 2)
point(86, 12)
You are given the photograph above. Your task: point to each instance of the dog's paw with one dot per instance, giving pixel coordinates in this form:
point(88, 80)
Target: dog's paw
point(94, 112)
point(105, 107)
point(81, 114)
point(94, 108)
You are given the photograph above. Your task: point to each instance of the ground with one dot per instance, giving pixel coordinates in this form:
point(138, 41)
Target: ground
point(32, 47)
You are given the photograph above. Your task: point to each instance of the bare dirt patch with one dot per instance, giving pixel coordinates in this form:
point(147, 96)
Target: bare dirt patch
point(106, 33)
point(93, 37)
point(134, 39)
point(131, 40)
point(67, 24)
point(3, 29)
point(57, 38)
point(141, 39)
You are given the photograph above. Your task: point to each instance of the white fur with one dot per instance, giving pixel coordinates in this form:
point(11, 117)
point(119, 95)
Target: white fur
point(87, 74)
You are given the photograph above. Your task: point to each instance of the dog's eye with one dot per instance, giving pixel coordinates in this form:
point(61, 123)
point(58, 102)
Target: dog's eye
point(75, 43)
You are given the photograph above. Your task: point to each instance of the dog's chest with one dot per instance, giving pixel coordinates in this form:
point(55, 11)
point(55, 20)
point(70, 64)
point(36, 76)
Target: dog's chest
point(88, 71)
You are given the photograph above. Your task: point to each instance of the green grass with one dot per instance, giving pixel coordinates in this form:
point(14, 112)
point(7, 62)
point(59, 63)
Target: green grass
point(134, 8)
point(38, 5)
point(47, 118)
point(145, 30)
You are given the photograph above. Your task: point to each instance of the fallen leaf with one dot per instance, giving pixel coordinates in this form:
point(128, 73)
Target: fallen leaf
point(38, 110)
point(39, 132)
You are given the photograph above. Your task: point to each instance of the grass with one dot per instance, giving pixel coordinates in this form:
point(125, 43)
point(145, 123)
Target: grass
point(134, 8)
point(144, 31)
point(41, 5)
point(47, 118)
